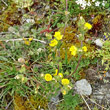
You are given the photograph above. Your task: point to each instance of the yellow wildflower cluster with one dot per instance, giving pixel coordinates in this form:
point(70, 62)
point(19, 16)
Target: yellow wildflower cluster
point(73, 50)
point(59, 74)
point(48, 77)
point(27, 40)
point(64, 81)
point(54, 42)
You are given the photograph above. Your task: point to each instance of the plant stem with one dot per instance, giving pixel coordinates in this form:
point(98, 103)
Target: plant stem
point(76, 67)
point(85, 102)
point(66, 5)
point(22, 40)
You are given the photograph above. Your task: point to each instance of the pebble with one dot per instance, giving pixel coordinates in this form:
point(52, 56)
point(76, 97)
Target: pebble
point(83, 87)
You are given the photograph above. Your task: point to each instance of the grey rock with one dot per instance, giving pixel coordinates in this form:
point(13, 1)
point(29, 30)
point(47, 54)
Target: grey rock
point(83, 87)
point(107, 74)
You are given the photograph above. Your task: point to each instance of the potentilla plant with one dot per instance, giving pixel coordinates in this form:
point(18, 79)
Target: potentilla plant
point(59, 80)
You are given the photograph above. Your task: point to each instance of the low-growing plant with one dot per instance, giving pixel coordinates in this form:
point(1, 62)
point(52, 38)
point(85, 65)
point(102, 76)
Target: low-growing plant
point(41, 61)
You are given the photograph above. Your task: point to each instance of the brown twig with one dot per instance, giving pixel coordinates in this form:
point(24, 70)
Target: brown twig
point(76, 67)
point(66, 5)
point(66, 16)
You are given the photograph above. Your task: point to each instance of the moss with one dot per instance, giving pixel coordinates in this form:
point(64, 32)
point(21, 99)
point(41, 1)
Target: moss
point(31, 103)
point(18, 103)
point(96, 19)
point(70, 39)
point(11, 16)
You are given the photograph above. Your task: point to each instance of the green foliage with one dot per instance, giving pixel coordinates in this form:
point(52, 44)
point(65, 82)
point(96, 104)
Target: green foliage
point(70, 102)
point(84, 63)
point(104, 53)
point(24, 62)
point(23, 3)
point(9, 17)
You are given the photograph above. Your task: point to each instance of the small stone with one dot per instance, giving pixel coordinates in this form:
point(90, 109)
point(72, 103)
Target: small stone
point(30, 21)
point(107, 74)
point(83, 87)
point(98, 42)
point(21, 60)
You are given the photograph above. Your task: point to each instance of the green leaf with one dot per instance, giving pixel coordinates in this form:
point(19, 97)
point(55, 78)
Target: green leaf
point(3, 58)
point(107, 5)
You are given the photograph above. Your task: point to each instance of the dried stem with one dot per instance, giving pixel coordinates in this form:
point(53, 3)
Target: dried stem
point(85, 101)
point(22, 40)
point(95, 102)
point(4, 2)
point(9, 104)
point(66, 5)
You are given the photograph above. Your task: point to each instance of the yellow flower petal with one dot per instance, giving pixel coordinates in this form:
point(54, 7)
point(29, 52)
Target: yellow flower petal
point(73, 53)
point(48, 77)
point(26, 42)
point(30, 39)
point(64, 92)
point(56, 72)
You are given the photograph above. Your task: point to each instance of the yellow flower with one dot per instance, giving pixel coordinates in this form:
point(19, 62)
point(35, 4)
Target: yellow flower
point(56, 72)
point(73, 53)
point(65, 81)
point(73, 50)
point(26, 42)
point(60, 74)
point(88, 26)
point(24, 38)
point(48, 77)
point(53, 43)
point(58, 35)
point(64, 92)
point(30, 39)
point(84, 48)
